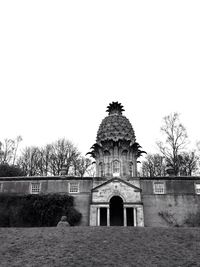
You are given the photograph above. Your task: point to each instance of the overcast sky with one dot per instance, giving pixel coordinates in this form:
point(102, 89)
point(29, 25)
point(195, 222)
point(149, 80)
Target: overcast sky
point(63, 62)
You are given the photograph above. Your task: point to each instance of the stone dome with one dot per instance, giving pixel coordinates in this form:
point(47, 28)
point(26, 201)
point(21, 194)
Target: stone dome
point(115, 126)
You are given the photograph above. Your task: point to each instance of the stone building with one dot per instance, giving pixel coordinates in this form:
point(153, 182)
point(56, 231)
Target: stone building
point(116, 196)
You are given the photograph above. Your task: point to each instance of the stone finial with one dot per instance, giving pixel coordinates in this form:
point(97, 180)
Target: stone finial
point(63, 170)
point(115, 108)
point(170, 171)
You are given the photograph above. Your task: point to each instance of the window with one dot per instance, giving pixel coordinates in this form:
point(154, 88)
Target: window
point(131, 169)
point(35, 188)
point(125, 154)
point(116, 168)
point(197, 189)
point(101, 169)
point(107, 169)
point(106, 153)
point(73, 187)
point(159, 188)
point(106, 165)
point(1, 187)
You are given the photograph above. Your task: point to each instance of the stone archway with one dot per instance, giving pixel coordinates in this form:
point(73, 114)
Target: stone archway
point(116, 211)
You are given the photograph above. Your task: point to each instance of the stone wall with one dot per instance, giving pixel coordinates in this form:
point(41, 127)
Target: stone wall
point(169, 210)
point(82, 204)
point(172, 207)
point(82, 199)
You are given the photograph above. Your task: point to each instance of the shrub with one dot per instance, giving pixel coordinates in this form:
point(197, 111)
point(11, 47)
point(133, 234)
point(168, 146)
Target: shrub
point(7, 170)
point(36, 210)
point(73, 216)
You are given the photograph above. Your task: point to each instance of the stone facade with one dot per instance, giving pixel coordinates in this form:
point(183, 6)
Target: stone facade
point(179, 199)
point(116, 150)
point(116, 196)
point(130, 196)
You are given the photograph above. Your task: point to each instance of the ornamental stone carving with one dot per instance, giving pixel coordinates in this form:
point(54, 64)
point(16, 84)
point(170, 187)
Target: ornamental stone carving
point(116, 150)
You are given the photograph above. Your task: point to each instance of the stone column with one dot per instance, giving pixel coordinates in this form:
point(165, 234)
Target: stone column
point(125, 219)
point(140, 216)
point(134, 217)
point(108, 216)
point(98, 216)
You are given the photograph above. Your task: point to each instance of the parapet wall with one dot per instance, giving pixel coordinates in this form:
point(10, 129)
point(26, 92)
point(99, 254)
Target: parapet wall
point(169, 208)
point(172, 207)
point(52, 185)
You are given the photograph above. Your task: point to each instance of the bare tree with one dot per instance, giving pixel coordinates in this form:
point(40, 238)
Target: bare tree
point(1, 153)
point(188, 163)
point(175, 141)
point(17, 141)
point(91, 170)
point(153, 166)
point(9, 149)
point(50, 159)
point(80, 166)
point(31, 161)
point(46, 153)
point(63, 154)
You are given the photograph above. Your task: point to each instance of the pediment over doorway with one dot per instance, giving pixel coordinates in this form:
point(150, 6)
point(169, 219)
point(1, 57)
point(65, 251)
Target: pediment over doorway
point(116, 187)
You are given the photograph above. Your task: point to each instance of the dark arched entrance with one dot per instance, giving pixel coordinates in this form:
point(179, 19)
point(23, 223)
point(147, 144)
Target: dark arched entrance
point(116, 211)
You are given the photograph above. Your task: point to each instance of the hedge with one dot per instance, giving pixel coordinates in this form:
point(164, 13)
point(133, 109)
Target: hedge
point(36, 210)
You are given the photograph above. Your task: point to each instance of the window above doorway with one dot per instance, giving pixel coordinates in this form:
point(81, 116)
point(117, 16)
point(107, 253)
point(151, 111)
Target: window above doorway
point(116, 168)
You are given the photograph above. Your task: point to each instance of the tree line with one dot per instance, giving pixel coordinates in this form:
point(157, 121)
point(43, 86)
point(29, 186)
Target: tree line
point(173, 156)
point(56, 158)
point(52, 159)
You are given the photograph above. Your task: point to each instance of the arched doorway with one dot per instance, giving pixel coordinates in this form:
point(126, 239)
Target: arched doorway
point(116, 211)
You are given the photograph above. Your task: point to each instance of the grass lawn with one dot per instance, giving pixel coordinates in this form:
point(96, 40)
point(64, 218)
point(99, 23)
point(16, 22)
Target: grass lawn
point(99, 246)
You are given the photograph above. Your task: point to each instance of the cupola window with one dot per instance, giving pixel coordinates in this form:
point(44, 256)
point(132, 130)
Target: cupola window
point(124, 153)
point(116, 168)
point(106, 163)
point(131, 169)
point(101, 172)
point(106, 153)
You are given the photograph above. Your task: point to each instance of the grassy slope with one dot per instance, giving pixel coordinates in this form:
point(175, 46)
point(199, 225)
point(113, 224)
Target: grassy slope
point(92, 246)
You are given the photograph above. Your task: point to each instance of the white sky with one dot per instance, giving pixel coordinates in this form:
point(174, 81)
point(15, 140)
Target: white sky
point(63, 62)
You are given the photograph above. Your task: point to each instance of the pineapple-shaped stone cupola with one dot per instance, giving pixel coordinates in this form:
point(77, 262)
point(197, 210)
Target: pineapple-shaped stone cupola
point(116, 150)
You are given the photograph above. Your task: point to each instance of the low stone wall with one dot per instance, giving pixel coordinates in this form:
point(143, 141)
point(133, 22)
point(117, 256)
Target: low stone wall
point(169, 210)
point(50, 185)
point(82, 204)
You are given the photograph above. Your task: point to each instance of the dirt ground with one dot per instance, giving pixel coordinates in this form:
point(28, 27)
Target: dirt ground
point(100, 246)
